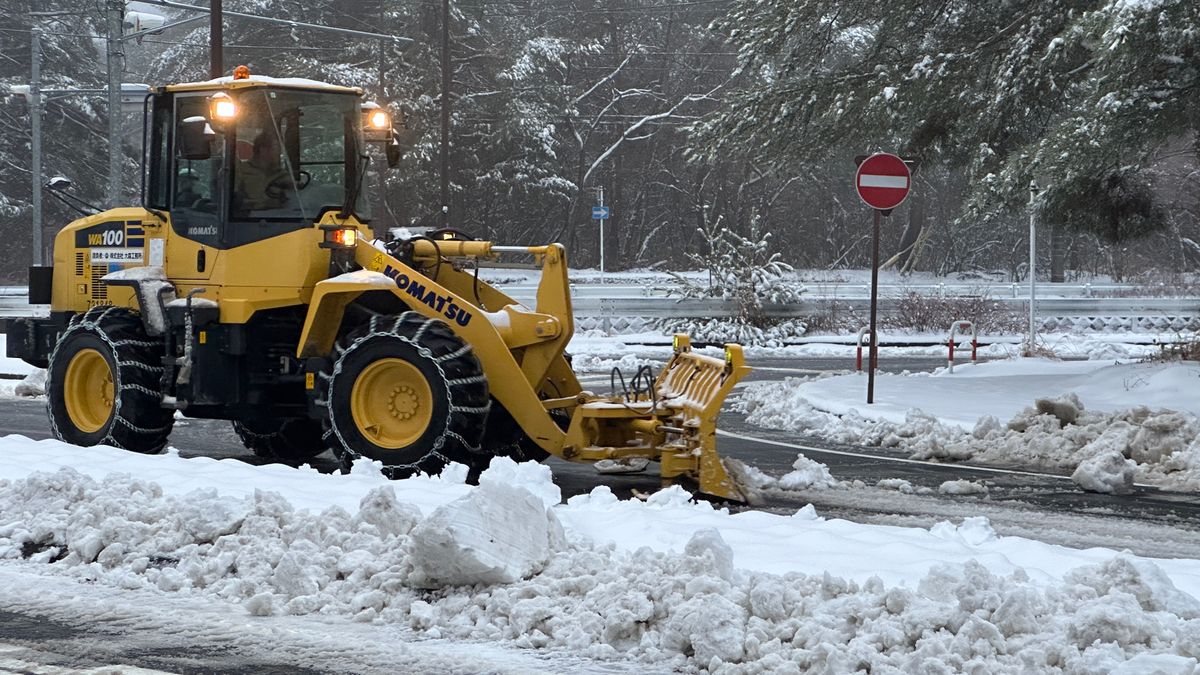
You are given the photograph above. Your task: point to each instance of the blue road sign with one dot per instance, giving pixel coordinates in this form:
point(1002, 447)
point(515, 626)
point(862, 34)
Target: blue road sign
point(599, 212)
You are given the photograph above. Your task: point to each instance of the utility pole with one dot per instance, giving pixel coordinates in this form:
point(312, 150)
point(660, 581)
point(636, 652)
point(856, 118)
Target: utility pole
point(35, 144)
point(445, 113)
point(1033, 192)
point(216, 40)
point(116, 63)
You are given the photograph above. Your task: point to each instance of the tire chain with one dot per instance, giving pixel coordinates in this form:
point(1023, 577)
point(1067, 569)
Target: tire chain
point(121, 330)
point(398, 328)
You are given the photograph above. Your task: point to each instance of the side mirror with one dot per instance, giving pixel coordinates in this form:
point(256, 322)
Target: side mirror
point(58, 184)
point(393, 153)
point(403, 138)
point(195, 138)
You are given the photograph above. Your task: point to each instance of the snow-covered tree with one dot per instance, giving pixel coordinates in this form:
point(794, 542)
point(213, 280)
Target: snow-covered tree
point(1077, 93)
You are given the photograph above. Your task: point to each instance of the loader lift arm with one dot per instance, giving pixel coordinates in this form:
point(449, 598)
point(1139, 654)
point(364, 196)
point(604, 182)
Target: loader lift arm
point(522, 355)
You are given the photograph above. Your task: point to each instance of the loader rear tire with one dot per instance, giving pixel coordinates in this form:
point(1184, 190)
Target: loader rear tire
point(104, 383)
point(286, 440)
point(408, 392)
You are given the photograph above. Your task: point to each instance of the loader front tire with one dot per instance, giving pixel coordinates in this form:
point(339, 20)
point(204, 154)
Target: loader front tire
point(104, 383)
point(408, 392)
point(287, 440)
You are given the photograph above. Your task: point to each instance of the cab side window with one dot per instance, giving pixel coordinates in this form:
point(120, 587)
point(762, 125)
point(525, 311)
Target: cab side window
point(195, 183)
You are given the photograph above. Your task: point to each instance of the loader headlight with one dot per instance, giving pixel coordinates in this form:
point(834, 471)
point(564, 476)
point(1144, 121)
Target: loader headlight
point(377, 123)
point(221, 107)
point(340, 237)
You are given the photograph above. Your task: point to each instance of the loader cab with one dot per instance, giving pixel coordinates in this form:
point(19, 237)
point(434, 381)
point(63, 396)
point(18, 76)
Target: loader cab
point(240, 160)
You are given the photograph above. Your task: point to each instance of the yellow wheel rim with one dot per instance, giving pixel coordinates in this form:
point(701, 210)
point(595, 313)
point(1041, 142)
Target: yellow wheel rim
point(88, 391)
point(391, 403)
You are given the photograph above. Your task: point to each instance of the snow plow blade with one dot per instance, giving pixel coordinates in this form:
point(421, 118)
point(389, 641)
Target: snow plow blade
point(674, 421)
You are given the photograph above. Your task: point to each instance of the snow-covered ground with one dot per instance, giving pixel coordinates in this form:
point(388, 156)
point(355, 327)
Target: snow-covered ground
point(1119, 421)
point(668, 583)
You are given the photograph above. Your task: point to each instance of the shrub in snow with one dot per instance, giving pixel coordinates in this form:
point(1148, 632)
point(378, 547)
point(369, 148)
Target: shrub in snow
point(745, 270)
point(930, 312)
point(721, 331)
point(1109, 472)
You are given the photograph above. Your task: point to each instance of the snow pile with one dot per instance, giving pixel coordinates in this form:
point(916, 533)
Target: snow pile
point(1058, 433)
point(694, 609)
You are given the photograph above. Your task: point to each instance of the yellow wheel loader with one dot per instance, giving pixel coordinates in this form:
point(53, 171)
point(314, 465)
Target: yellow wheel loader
point(246, 287)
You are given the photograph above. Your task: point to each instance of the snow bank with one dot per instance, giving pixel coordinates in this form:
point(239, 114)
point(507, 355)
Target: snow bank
point(668, 582)
point(1060, 432)
point(692, 609)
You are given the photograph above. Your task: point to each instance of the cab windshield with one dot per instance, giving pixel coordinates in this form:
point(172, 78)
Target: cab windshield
point(297, 154)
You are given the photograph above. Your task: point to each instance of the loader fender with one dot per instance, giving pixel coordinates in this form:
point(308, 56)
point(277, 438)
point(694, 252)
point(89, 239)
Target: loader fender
point(421, 294)
point(151, 289)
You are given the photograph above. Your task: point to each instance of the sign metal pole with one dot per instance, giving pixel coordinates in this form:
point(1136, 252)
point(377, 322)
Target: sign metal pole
point(1033, 191)
point(874, 351)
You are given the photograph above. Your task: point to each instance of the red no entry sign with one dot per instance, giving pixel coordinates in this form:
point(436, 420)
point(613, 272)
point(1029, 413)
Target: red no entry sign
point(883, 181)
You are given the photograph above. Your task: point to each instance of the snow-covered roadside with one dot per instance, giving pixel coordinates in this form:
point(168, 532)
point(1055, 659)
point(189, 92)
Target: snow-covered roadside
point(22, 379)
point(671, 583)
point(1029, 413)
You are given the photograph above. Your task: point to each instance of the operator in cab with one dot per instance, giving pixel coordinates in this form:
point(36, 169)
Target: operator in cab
point(260, 182)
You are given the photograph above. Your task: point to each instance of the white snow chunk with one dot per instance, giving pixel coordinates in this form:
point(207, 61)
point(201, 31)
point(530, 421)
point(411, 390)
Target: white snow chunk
point(34, 384)
point(533, 476)
point(806, 474)
point(1109, 472)
point(1066, 408)
point(708, 542)
point(364, 277)
point(962, 487)
point(497, 534)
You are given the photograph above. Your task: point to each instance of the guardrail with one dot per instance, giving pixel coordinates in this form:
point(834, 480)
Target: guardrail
point(15, 306)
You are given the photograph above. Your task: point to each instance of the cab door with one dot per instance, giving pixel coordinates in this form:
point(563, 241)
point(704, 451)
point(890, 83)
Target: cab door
point(198, 197)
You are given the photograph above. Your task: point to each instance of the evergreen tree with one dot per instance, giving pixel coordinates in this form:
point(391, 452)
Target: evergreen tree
point(1078, 93)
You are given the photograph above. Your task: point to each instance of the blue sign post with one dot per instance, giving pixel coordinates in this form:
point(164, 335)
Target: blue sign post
point(599, 212)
